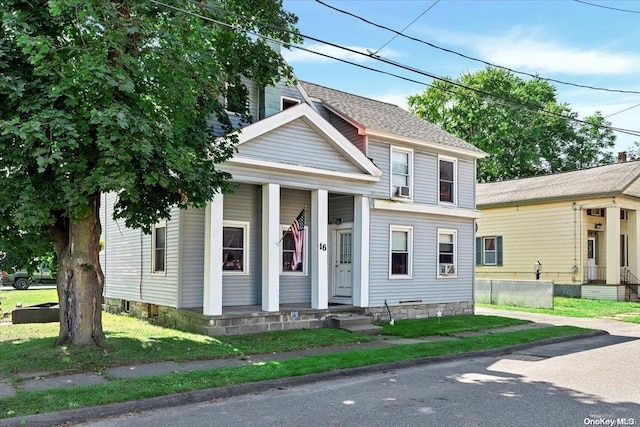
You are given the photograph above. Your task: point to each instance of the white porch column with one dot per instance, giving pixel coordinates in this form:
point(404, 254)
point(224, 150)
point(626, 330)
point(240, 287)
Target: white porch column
point(361, 251)
point(212, 297)
point(634, 242)
point(613, 245)
point(319, 252)
point(271, 247)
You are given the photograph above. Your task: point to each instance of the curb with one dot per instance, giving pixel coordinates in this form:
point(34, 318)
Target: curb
point(196, 396)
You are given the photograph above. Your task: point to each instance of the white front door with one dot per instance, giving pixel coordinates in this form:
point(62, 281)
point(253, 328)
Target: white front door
point(342, 263)
point(592, 273)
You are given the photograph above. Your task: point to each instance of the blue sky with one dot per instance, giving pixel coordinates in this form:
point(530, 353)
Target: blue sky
point(564, 40)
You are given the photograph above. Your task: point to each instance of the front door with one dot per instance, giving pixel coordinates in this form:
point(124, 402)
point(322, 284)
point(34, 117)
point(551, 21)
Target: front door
point(592, 273)
point(342, 263)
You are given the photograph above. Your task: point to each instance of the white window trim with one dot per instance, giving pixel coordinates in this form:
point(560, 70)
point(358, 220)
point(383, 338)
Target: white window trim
point(393, 148)
point(245, 245)
point(409, 231)
point(161, 224)
point(455, 180)
point(455, 253)
point(305, 266)
point(287, 98)
point(495, 251)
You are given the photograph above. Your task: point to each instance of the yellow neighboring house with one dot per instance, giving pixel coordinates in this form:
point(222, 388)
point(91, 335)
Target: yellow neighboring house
point(581, 229)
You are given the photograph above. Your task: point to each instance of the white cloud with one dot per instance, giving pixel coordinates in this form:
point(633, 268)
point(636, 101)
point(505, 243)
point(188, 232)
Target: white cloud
point(532, 51)
point(295, 55)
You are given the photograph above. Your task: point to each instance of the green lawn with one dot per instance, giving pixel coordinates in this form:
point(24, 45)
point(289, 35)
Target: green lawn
point(577, 307)
point(10, 297)
point(31, 348)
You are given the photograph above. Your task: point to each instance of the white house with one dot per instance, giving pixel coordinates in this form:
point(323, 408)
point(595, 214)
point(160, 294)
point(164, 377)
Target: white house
point(389, 206)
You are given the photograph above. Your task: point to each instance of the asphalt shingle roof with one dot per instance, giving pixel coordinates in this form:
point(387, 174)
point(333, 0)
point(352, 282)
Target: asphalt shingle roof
point(384, 117)
point(598, 181)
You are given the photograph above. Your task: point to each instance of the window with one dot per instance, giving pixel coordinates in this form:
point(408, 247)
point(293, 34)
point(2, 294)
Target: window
point(447, 178)
point(291, 262)
point(624, 214)
point(489, 250)
point(624, 250)
point(596, 212)
point(288, 103)
point(447, 253)
point(235, 250)
point(401, 173)
point(159, 247)
point(401, 245)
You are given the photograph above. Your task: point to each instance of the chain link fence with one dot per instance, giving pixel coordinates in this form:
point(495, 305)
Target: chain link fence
point(520, 293)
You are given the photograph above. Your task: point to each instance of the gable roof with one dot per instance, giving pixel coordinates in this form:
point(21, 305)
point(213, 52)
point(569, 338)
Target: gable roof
point(598, 181)
point(383, 119)
point(322, 127)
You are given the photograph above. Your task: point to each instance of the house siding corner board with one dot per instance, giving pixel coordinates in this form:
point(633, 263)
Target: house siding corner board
point(298, 144)
point(424, 287)
point(530, 233)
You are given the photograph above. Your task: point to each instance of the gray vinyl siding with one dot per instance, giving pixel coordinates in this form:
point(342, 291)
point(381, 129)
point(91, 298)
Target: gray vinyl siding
point(127, 261)
point(466, 183)
point(244, 204)
point(297, 143)
point(347, 130)
point(162, 288)
point(424, 285)
point(295, 287)
point(340, 206)
point(192, 259)
point(379, 153)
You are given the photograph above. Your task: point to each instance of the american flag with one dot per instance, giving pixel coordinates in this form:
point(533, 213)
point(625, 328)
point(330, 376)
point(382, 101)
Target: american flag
point(297, 231)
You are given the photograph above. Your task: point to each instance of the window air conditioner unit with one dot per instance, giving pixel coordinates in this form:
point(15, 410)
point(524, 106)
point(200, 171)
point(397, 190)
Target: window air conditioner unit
point(447, 269)
point(403, 191)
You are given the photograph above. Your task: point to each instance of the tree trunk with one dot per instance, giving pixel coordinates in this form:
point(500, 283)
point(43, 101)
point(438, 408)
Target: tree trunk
point(80, 278)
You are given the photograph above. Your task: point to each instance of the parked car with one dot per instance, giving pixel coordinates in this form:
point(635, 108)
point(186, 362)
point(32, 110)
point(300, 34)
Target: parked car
point(21, 279)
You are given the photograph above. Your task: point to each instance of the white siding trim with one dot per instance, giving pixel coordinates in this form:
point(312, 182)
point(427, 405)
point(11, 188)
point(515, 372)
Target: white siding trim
point(288, 167)
point(426, 209)
point(361, 232)
point(319, 260)
point(270, 247)
point(212, 293)
point(409, 231)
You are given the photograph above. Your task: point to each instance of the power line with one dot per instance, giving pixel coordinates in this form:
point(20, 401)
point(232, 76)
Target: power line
point(405, 28)
point(606, 7)
point(509, 102)
point(623, 110)
point(398, 33)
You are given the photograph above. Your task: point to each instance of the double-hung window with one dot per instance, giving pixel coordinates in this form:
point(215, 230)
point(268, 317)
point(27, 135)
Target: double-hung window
point(235, 247)
point(447, 173)
point(401, 252)
point(489, 250)
point(401, 173)
point(447, 253)
point(159, 247)
point(293, 252)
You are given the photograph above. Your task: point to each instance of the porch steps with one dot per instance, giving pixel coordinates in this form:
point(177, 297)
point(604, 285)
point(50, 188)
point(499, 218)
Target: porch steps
point(356, 323)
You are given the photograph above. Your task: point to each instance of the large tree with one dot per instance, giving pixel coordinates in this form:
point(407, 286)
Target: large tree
point(127, 97)
point(519, 123)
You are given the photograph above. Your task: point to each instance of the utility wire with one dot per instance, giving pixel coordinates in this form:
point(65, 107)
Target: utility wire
point(405, 28)
point(507, 102)
point(606, 7)
point(398, 33)
point(622, 111)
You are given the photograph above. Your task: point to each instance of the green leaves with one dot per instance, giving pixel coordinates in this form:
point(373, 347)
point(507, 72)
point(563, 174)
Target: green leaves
point(519, 123)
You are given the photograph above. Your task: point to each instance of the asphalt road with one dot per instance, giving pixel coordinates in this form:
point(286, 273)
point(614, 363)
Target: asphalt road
point(577, 383)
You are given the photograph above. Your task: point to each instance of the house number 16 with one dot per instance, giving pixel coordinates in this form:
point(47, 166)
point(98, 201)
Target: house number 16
point(323, 246)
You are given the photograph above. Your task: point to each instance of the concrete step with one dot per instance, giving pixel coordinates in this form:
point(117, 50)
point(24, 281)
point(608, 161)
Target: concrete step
point(364, 329)
point(344, 320)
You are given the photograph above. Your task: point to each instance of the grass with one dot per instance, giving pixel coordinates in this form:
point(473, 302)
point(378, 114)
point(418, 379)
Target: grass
point(577, 307)
point(30, 348)
point(121, 390)
point(447, 325)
